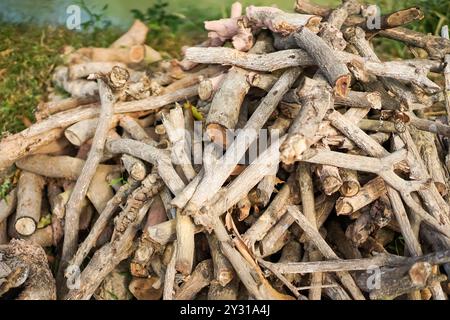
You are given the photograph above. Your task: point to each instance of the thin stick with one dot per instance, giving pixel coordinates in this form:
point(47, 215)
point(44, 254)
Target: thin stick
point(79, 192)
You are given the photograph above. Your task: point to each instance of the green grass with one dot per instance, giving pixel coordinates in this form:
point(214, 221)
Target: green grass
point(28, 55)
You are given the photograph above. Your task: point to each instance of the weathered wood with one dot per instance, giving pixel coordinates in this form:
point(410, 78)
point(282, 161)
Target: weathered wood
point(27, 267)
point(317, 101)
point(29, 197)
point(211, 183)
point(280, 22)
point(71, 227)
point(370, 192)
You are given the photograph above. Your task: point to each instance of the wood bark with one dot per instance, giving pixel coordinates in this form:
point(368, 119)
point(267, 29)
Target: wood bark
point(29, 198)
point(72, 217)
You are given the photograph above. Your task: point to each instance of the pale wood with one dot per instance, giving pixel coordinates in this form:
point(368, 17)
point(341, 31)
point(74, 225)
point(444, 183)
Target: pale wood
point(307, 194)
point(29, 197)
point(81, 187)
point(200, 278)
point(211, 183)
point(134, 36)
point(28, 268)
point(8, 205)
point(82, 70)
point(223, 271)
point(370, 192)
point(269, 218)
point(317, 101)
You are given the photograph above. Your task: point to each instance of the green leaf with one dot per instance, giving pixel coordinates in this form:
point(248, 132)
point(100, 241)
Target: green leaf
point(44, 221)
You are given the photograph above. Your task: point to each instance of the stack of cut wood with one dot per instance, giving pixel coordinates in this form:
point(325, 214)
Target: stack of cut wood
point(280, 159)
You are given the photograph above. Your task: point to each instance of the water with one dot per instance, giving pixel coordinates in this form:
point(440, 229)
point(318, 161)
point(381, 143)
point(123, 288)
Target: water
point(118, 11)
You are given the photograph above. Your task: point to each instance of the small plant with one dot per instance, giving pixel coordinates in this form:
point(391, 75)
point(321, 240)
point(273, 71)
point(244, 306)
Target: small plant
point(96, 20)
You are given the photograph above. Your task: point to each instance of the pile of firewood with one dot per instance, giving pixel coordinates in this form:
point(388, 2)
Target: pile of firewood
point(280, 159)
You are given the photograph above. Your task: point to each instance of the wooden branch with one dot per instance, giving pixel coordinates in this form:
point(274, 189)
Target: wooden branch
point(108, 257)
point(428, 152)
point(269, 218)
point(323, 208)
point(185, 228)
point(223, 271)
point(256, 285)
point(329, 176)
point(305, 6)
point(29, 196)
point(231, 93)
point(265, 164)
point(44, 110)
point(307, 194)
point(200, 278)
point(82, 70)
point(436, 47)
point(89, 242)
point(317, 101)
point(211, 183)
point(300, 58)
point(325, 249)
point(336, 72)
point(8, 205)
point(148, 153)
point(356, 99)
point(379, 260)
point(26, 266)
point(280, 22)
point(81, 187)
point(136, 35)
point(169, 278)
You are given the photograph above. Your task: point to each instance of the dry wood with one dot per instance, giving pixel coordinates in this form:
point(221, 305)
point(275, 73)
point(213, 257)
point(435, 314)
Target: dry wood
point(8, 205)
point(82, 70)
point(280, 22)
point(370, 192)
point(314, 236)
point(211, 183)
point(29, 197)
point(26, 266)
point(101, 222)
point(404, 71)
point(73, 205)
point(307, 194)
point(134, 36)
point(44, 110)
point(329, 176)
point(350, 183)
point(445, 35)
point(223, 272)
point(231, 94)
point(317, 101)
